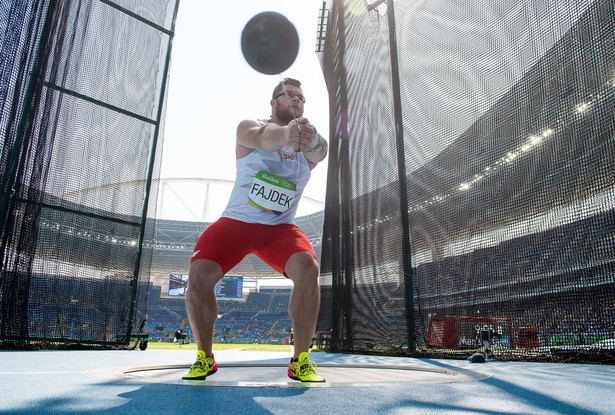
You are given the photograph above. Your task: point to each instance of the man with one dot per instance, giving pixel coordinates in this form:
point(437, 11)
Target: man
point(274, 161)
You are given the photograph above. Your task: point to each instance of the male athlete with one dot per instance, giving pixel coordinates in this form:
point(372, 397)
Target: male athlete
point(274, 161)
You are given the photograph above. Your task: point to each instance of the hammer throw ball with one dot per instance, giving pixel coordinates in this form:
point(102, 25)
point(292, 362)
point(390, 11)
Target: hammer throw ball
point(269, 43)
point(477, 358)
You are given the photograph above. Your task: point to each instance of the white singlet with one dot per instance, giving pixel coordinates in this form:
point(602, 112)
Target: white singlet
point(268, 187)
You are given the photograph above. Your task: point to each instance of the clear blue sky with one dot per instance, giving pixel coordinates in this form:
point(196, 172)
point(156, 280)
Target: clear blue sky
point(212, 88)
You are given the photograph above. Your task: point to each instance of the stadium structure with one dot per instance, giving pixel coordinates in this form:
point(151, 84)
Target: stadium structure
point(470, 180)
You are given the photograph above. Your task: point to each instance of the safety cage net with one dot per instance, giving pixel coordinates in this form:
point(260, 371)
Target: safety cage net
point(470, 195)
point(82, 85)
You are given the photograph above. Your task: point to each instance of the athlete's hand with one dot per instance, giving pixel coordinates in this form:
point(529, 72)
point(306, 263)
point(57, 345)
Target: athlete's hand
point(300, 134)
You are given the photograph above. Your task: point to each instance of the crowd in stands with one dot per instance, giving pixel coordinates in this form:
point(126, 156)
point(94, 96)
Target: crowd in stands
point(65, 308)
point(570, 323)
point(261, 318)
point(552, 254)
point(558, 284)
point(560, 280)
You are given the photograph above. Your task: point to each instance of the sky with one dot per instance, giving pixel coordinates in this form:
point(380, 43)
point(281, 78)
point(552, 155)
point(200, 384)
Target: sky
point(212, 88)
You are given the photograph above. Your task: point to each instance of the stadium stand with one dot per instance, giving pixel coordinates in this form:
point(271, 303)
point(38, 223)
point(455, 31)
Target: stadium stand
point(261, 317)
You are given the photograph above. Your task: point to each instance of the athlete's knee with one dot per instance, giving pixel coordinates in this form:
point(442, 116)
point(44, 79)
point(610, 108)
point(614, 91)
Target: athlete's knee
point(203, 276)
point(302, 265)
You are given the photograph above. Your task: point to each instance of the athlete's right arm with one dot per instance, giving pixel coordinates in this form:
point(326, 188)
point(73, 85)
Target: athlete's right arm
point(254, 134)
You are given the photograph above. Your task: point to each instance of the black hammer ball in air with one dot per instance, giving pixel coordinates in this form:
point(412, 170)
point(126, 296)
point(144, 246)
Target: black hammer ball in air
point(269, 43)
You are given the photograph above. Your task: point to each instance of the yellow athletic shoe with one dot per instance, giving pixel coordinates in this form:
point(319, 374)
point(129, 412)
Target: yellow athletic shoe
point(203, 367)
point(304, 369)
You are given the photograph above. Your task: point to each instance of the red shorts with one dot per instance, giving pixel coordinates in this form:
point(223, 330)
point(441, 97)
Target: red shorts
point(228, 241)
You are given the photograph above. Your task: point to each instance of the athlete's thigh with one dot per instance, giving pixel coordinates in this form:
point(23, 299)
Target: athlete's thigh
point(282, 245)
point(224, 243)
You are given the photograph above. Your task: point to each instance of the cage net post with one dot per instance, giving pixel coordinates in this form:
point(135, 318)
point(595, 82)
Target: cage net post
point(83, 86)
point(509, 157)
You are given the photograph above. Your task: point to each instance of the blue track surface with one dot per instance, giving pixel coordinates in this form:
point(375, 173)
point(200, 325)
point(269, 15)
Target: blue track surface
point(61, 382)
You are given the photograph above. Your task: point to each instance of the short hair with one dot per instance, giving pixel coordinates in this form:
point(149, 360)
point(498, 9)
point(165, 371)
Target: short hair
point(280, 87)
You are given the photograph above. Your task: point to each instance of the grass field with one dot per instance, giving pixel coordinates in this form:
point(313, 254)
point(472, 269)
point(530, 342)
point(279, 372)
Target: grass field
point(220, 346)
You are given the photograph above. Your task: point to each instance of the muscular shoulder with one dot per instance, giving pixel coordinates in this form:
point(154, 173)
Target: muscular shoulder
point(247, 124)
point(247, 136)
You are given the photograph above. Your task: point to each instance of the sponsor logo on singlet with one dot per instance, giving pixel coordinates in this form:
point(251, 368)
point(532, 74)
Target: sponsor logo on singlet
point(287, 156)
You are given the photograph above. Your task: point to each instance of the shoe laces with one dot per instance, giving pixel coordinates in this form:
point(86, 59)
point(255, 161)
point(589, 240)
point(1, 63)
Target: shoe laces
point(201, 362)
point(307, 366)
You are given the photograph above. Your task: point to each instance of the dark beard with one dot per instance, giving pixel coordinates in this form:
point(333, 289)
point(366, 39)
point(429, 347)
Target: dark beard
point(285, 115)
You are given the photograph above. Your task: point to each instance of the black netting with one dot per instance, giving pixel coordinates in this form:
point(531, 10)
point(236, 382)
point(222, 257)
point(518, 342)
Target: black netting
point(83, 88)
point(487, 127)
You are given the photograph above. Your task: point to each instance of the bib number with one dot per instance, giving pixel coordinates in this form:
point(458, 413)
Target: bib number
point(271, 193)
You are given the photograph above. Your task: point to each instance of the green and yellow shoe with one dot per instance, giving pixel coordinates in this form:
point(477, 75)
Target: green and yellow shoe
point(304, 369)
point(203, 367)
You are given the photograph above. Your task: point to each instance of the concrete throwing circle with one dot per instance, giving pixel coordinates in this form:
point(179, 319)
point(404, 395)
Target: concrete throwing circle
point(273, 375)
